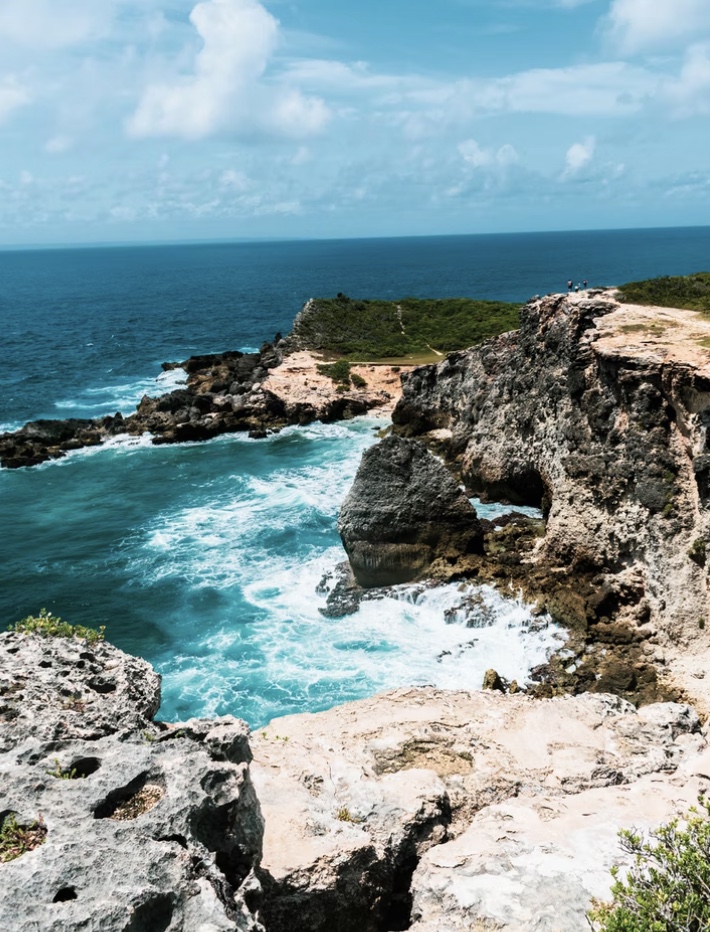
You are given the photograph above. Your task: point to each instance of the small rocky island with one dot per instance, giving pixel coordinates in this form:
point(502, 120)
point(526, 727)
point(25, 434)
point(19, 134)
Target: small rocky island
point(417, 809)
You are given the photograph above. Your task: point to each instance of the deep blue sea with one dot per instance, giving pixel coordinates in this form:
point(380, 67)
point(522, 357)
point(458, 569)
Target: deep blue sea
point(204, 558)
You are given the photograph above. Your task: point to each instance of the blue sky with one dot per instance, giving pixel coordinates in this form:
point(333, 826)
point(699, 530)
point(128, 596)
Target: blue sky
point(126, 120)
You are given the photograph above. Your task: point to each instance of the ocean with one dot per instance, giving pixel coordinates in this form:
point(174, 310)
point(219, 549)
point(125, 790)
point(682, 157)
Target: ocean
point(205, 558)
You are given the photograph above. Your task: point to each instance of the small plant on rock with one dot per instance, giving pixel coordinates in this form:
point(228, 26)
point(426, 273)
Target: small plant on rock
point(62, 774)
point(668, 886)
point(48, 625)
point(16, 839)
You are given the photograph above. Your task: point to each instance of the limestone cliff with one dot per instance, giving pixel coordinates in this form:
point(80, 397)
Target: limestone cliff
point(599, 412)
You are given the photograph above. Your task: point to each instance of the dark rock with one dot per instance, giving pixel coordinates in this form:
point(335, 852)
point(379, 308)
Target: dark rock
point(492, 680)
point(405, 517)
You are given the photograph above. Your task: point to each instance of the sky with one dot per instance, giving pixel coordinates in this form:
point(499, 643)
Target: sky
point(155, 120)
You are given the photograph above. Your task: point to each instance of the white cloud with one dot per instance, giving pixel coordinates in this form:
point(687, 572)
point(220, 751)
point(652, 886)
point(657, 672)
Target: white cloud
point(578, 156)
point(13, 95)
point(58, 144)
point(48, 24)
point(478, 157)
point(690, 93)
point(637, 25)
point(224, 90)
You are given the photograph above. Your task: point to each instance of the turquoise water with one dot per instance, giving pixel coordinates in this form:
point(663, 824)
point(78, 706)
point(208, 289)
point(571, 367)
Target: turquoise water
point(205, 558)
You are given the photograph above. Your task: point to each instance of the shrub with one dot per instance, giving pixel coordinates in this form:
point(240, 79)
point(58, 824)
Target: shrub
point(338, 371)
point(376, 329)
point(684, 291)
point(48, 625)
point(697, 551)
point(358, 380)
point(668, 886)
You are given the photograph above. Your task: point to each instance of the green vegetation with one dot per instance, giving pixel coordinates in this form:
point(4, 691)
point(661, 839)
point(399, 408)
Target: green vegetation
point(47, 625)
point(16, 839)
point(668, 885)
point(368, 330)
point(338, 371)
point(691, 292)
point(698, 551)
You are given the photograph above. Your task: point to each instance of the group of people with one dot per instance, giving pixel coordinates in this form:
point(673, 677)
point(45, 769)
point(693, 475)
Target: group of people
point(571, 285)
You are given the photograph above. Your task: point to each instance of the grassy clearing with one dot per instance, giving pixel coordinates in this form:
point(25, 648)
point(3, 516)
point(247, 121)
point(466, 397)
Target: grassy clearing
point(412, 359)
point(689, 292)
point(367, 330)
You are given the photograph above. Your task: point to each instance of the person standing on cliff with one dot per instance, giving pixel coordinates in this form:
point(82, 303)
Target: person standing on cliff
point(569, 284)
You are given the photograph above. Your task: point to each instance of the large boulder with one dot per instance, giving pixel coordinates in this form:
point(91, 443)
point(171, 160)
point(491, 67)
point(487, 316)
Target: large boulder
point(405, 517)
point(127, 825)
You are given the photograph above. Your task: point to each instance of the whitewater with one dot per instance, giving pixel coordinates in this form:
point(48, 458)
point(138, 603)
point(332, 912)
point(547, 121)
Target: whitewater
point(207, 559)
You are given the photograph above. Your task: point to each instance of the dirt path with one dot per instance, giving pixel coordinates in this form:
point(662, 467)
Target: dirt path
point(658, 333)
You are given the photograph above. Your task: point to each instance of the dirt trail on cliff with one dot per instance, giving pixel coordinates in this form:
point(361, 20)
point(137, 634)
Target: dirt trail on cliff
point(658, 334)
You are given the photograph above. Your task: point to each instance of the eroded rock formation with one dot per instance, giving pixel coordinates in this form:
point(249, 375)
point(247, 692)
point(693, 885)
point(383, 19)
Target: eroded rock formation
point(406, 517)
point(419, 808)
point(225, 393)
point(148, 828)
point(599, 412)
point(459, 810)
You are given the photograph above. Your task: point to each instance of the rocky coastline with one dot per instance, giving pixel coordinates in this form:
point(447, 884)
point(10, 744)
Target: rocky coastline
point(598, 412)
point(224, 393)
point(417, 809)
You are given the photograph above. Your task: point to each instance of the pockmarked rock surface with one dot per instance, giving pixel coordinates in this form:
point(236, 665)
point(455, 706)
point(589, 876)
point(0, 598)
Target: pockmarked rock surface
point(149, 828)
point(599, 412)
point(405, 517)
point(373, 801)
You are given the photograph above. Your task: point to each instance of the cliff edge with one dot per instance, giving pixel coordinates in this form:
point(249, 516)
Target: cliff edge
point(598, 412)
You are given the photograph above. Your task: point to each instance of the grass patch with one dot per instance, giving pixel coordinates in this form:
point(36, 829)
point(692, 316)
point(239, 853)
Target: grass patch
point(16, 839)
point(338, 371)
point(48, 625)
point(384, 330)
point(689, 292)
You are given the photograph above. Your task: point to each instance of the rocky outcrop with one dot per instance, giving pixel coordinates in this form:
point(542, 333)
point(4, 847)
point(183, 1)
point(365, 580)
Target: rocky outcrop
point(405, 517)
point(457, 808)
point(225, 393)
point(146, 827)
point(599, 412)
point(419, 808)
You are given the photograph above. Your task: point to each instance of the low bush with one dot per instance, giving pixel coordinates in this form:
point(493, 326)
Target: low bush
point(691, 292)
point(17, 839)
point(338, 371)
point(48, 625)
point(667, 888)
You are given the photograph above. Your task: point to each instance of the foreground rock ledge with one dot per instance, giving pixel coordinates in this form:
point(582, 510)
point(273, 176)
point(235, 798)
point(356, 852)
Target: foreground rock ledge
point(419, 808)
point(385, 806)
point(149, 828)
